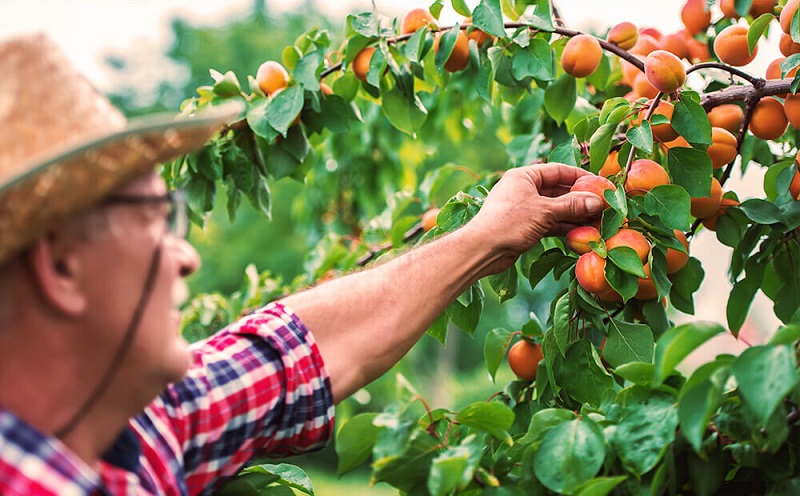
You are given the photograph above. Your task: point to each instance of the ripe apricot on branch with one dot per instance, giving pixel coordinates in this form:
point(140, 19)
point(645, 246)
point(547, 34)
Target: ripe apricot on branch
point(581, 55)
point(473, 33)
point(791, 109)
point(769, 121)
point(761, 7)
point(271, 77)
point(676, 44)
point(706, 206)
point(774, 72)
point(632, 239)
point(695, 16)
point(664, 71)
point(524, 358)
point(728, 8)
point(676, 259)
point(361, 63)
point(593, 184)
point(662, 132)
point(723, 147)
point(787, 46)
point(731, 46)
point(647, 288)
point(698, 51)
point(642, 87)
point(624, 35)
point(787, 14)
point(727, 116)
point(459, 57)
point(794, 187)
point(429, 219)
point(611, 165)
point(578, 239)
point(590, 273)
point(415, 19)
point(644, 175)
point(710, 222)
point(647, 44)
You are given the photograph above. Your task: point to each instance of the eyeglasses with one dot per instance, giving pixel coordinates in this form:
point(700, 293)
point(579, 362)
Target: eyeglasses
point(177, 219)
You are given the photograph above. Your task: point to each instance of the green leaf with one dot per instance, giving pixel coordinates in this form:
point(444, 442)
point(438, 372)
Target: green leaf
point(627, 259)
point(537, 62)
point(461, 7)
point(788, 334)
point(623, 282)
point(258, 121)
point(493, 417)
point(684, 283)
point(544, 420)
point(765, 374)
point(403, 454)
point(689, 119)
point(308, 69)
point(757, 29)
point(582, 375)
point(636, 372)
point(505, 283)
point(415, 45)
point(454, 468)
point(628, 343)
point(671, 204)
point(568, 152)
point(599, 146)
point(541, 17)
point(494, 349)
point(365, 24)
point(641, 137)
point(288, 475)
point(761, 211)
point(743, 293)
point(446, 44)
point(600, 486)
point(570, 455)
point(488, 16)
point(542, 265)
point(561, 323)
point(646, 431)
point(354, 441)
point(560, 98)
point(691, 169)
point(677, 343)
point(699, 400)
point(404, 113)
point(227, 85)
point(284, 108)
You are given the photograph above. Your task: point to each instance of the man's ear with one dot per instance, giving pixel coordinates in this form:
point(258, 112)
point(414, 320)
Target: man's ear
point(57, 269)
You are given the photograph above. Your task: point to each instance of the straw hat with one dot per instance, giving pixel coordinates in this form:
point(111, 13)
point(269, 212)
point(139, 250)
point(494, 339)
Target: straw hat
point(64, 147)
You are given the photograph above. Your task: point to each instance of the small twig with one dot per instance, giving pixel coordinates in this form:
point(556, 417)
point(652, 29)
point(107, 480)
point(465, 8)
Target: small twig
point(716, 65)
point(373, 252)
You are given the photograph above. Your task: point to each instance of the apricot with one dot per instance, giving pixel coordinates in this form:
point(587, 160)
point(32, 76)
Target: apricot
point(768, 121)
point(679, 142)
point(723, 149)
point(611, 165)
point(706, 206)
point(593, 184)
point(676, 259)
point(581, 55)
point(698, 51)
point(578, 239)
point(524, 358)
point(624, 35)
point(646, 45)
point(632, 239)
point(727, 116)
point(271, 77)
point(791, 109)
point(728, 9)
point(787, 46)
point(710, 222)
point(459, 57)
point(664, 71)
point(774, 72)
point(480, 37)
point(662, 132)
point(651, 31)
point(415, 19)
point(676, 44)
point(361, 62)
point(644, 175)
point(695, 16)
point(590, 271)
point(794, 187)
point(429, 219)
point(647, 287)
point(761, 7)
point(325, 89)
point(610, 296)
point(787, 14)
point(642, 87)
point(731, 46)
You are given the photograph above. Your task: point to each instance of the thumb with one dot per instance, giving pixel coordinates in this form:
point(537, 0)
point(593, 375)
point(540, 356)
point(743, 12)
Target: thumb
point(577, 206)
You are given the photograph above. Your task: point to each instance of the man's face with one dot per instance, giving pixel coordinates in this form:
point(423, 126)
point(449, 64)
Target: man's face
point(119, 263)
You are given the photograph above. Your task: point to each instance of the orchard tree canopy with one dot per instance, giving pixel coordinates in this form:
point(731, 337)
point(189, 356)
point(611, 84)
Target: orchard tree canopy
point(662, 119)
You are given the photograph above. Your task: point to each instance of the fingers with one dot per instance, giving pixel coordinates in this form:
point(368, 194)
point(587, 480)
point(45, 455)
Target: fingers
point(554, 175)
point(576, 207)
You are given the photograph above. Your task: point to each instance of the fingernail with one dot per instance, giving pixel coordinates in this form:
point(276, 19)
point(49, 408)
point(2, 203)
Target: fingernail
point(593, 203)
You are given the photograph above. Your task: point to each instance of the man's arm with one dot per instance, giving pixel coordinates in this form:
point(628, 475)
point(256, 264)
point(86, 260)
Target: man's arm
point(365, 322)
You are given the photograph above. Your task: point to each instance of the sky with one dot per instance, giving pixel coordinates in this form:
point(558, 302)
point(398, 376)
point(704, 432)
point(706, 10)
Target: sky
point(86, 29)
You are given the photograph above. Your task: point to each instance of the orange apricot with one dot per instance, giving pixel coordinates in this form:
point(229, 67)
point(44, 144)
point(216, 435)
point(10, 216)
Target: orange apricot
point(271, 77)
point(459, 57)
point(428, 221)
point(611, 165)
point(644, 175)
point(727, 116)
point(710, 222)
point(698, 50)
point(415, 19)
point(728, 9)
point(723, 149)
point(731, 46)
point(473, 33)
point(629, 72)
point(581, 55)
point(679, 142)
point(590, 273)
point(642, 87)
point(695, 16)
point(794, 187)
point(705, 206)
point(676, 259)
point(662, 132)
point(664, 71)
point(578, 239)
point(676, 43)
point(647, 288)
point(325, 89)
point(774, 72)
point(791, 109)
point(646, 45)
point(631, 239)
point(624, 35)
point(361, 63)
point(787, 46)
point(761, 7)
point(593, 184)
point(768, 121)
point(787, 14)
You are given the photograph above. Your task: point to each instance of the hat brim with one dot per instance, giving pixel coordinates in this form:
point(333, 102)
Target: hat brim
point(55, 189)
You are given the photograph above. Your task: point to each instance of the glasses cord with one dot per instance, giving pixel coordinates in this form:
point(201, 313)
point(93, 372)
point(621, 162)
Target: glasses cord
point(123, 349)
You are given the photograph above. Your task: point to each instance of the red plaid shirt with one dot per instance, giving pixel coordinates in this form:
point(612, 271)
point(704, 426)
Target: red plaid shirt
point(256, 388)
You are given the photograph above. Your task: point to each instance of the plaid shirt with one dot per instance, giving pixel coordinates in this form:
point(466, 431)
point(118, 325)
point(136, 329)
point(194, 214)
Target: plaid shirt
point(256, 388)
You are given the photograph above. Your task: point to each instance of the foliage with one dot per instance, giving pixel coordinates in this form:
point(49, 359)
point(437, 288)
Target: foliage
point(608, 412)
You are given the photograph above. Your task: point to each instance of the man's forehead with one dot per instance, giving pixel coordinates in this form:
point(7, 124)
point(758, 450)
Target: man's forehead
point(150, 183)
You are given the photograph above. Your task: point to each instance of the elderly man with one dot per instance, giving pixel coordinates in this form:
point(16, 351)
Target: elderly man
point(99, 394)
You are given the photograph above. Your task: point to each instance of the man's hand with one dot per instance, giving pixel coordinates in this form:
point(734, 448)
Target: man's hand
point(527, 204)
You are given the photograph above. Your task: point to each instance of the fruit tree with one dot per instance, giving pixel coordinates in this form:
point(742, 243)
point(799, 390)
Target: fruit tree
point(663, 120)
